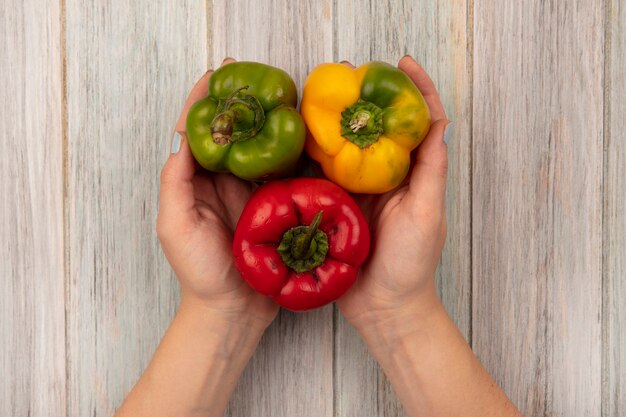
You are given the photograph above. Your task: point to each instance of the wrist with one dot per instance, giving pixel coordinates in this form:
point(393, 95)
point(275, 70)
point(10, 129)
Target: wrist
point(196, 367)
point(385, 327)
point(235, 329)
point(249, 315)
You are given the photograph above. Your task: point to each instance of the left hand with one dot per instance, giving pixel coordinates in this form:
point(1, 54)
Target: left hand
point(408, 227)
point(198, 212)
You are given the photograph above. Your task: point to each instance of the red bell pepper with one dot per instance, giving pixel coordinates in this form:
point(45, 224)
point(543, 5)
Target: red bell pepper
point(301, 242)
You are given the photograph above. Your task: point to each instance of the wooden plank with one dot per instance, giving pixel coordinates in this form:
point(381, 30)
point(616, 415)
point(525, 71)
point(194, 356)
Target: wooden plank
point(295, 36)
point(436, 35)
point(614, 301)
point(32, 306)
point(537, 202)
point(291, 372)
point(130, 66)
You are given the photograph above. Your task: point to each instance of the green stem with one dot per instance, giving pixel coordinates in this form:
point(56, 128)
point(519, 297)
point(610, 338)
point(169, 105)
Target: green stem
point(237, 118)
point(303, 248)
point(362, 123)
point(303, 243)
point(222, 128)
point(359, 121)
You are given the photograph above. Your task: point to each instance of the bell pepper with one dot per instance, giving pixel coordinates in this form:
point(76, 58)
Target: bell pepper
point(301, 242)
point(363, 124)
point(247, 124)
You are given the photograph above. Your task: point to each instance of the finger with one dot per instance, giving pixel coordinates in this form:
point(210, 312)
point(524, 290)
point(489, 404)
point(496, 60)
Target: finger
point(199, 91)
point(176, 199)
point(426, 86)
point(347, 64)
point(234, 193)
point(228, 60)
point(428, 178)
point(207, 185)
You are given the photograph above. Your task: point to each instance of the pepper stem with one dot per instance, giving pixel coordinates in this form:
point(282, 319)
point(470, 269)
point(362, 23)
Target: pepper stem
point(359, 121)
point(362, 123)
point(304, 243)
point(303, 248)
point(222, 128)
point(238, 117)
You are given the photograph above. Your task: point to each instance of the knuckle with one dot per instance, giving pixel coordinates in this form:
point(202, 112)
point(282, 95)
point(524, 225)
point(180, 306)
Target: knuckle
point(161, 229)
point(167, 174)
point(438, 168)
point(442, 168)
point(440, 164)
point(444, 231)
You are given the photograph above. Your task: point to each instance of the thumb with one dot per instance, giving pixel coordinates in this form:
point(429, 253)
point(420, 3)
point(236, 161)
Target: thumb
point(176, 200)
point(428, 178)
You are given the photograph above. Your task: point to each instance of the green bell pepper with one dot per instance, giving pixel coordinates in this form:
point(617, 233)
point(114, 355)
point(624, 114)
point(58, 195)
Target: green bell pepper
point(247, 124)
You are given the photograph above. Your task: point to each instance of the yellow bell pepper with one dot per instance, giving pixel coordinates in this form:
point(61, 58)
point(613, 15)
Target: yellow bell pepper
point(363, 124)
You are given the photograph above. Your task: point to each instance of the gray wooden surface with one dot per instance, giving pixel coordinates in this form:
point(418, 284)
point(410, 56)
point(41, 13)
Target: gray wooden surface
point(534, 270)
point(33, 379)
point(537, 201)
point(614, 210)
point(128, 69)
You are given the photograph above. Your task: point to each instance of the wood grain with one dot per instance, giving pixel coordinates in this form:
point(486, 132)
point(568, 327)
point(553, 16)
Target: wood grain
point(32, 309)
point(436, 35)
point(294, 36)
point(537, 203)
point(129, 68)
point(614, 299)
point(534, 270)
point(291, 372)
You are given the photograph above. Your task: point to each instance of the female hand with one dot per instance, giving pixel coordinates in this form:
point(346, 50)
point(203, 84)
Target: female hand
point(408, 227)
point(394, 304)
point(221, 319)
point(198, 212)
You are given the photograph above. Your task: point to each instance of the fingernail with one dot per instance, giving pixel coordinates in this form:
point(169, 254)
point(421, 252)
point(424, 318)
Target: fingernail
point(176, 143)
point(448, 133)
point(406, 56)
point(344, 62)
point(226, 59)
